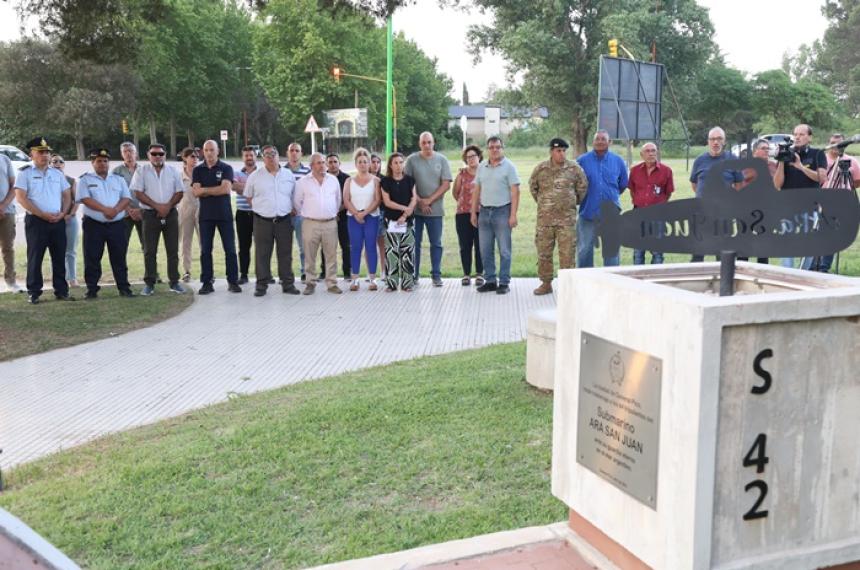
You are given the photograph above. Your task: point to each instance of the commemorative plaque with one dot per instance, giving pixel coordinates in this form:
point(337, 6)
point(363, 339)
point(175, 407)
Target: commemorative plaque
point(618, 428)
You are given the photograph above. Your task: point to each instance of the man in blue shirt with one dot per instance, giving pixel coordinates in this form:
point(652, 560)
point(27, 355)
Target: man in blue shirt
point(105, 198)
point(607, 179)
point(44, 192)
point(703, 164)
point(212, 181)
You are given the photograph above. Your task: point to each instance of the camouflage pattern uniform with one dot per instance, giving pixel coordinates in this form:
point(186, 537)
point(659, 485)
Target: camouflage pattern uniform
point(557, 191)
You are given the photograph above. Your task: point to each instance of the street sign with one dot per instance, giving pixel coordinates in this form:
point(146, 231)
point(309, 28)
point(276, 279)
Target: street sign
point(312, 126)
point(223, 135)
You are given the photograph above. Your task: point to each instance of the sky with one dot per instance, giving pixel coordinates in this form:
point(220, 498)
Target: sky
point(441, 33)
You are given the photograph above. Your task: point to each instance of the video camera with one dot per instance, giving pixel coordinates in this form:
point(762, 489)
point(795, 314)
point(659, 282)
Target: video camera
point(785, 151)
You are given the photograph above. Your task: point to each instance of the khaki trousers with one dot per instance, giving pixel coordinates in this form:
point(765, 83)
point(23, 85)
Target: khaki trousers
point(187, 227)
point(314, 234)
point(7, 246)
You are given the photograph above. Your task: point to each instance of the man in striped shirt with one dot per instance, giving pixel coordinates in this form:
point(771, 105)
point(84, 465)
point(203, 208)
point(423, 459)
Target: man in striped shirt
point(244, 214)
point(294, 164)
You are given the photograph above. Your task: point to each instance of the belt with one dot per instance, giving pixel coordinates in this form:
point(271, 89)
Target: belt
point(276, 219)
point(490, 207)
point(103, 223)
point(319, 219)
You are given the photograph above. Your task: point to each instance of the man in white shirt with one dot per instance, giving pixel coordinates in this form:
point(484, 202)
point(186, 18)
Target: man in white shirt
point(7, 221)
point(269, 191)
point(159, 189)
point(317, 200)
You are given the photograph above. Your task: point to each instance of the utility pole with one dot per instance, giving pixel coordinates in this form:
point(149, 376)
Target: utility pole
point(390, 143)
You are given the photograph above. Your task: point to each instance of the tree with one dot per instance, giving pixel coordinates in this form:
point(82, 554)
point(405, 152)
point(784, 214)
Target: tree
point(781, 103)
point(724, 98)
point(555, 45)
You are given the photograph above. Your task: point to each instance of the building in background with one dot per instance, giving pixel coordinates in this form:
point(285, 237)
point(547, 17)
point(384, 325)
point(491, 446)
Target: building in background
point(488, 120)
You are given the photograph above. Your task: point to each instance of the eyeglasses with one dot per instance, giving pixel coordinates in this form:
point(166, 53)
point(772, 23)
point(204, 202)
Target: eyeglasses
point(270, 153)
point(468, 156)
point(156, 154)
point(58, 162)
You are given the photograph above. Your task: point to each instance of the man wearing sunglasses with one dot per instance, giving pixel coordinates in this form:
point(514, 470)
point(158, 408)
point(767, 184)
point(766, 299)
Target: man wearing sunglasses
point(159, 189)
point(44, 192)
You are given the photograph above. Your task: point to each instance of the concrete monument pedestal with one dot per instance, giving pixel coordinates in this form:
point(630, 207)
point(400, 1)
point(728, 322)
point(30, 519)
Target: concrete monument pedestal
point(693, 431)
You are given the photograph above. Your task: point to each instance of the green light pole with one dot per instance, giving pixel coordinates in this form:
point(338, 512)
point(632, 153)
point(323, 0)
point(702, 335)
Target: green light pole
point(390, 141)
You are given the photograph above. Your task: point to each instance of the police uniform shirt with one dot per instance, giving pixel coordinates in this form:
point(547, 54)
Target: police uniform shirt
point(158, 187)
point(213, 207)
point(106, 191)
point(6, 171)
point(44, 188)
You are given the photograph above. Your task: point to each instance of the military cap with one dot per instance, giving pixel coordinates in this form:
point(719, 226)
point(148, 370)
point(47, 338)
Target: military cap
point(558, 143)
point(38, 143)
point(99, 153)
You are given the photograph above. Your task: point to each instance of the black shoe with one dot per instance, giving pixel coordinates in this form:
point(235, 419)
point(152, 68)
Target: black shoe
point(304, 278)
point(259, 292)
point(33, 299)
point(234, 288)
point(291, 290)
point(206, 289)
point(65, 297)
point(271, 281)
point(91, 295)
point(242, 280)
point(437, 281)
point(503, 290)
point(127, 293)
point(487, 287)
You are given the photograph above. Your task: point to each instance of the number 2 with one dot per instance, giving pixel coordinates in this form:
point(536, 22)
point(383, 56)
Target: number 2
point(754, 513)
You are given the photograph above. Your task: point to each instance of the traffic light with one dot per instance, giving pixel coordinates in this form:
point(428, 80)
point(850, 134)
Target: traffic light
point(336, 71)
point(124, 127)
point(613, 48)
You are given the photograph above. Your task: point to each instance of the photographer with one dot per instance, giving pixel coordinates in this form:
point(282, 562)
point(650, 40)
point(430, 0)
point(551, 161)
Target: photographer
point(799, 166)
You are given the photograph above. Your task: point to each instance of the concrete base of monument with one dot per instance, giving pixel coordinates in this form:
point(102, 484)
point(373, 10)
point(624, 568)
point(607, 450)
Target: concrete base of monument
point(540, 349)
point(21, 548)
point(693, 431)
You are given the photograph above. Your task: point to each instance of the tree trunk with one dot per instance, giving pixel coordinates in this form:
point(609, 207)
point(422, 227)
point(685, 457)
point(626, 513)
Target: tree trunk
point(190, 138)
point(79, 146)
point(580, 136)
point(153, 137)
point(172, 136)
point(135, 121)
point(236, 141)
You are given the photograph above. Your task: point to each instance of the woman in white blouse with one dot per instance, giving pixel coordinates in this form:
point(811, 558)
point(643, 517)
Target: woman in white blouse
point(361, 198)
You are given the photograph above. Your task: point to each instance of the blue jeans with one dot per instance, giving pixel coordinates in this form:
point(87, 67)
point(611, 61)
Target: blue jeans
point(297, 227)
point(586, 238)
point(72, 249)
point(494, 227)
point(639, 257)
point(434, 233)
point(786, 261)
point(228, 242)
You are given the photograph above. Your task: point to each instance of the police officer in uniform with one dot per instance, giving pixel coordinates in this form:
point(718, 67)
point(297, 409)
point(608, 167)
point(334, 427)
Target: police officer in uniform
point(557, 185)
point(105, 198)
point(44, 192)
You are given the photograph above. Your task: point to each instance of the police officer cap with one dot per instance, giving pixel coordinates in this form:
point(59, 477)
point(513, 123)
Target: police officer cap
point(558, 143)
point(38, 143)
point(99, 153)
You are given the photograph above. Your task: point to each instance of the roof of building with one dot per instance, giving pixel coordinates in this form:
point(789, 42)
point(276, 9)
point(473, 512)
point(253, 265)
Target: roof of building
point(477, 112)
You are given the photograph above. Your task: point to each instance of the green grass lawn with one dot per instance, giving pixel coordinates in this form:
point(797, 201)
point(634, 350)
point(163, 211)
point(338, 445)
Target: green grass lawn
point(30, 329)
point(524, 262)
point(375, 461)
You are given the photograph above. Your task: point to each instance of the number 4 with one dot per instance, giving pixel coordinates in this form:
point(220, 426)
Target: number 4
point(757, 455)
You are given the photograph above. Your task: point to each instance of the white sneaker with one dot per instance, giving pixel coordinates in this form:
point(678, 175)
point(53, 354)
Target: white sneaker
point(13, 287)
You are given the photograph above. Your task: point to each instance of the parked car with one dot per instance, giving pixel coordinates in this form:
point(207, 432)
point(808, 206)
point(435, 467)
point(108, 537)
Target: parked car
point(740, 150)
point(18, 157)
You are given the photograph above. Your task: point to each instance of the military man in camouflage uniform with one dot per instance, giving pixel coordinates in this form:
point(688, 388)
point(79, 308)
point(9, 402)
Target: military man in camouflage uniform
point(557, 185)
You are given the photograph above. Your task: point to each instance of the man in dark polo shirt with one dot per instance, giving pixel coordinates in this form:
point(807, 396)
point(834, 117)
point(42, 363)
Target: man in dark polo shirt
point(808, 169)
point(332, 163)
point(212, 181)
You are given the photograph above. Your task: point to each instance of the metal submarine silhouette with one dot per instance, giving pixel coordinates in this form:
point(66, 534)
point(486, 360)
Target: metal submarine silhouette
point(755, 221)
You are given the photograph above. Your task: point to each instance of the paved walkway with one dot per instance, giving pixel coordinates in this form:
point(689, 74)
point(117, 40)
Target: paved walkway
point(236, 344)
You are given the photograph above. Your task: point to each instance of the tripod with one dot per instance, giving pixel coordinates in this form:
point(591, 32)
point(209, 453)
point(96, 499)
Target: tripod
point(838, 177)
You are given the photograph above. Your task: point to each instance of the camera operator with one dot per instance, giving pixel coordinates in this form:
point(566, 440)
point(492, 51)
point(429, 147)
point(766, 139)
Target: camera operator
point(799, 166)
point(835, 178)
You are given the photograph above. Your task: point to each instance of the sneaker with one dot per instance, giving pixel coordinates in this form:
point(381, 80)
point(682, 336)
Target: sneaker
point(544, 289)
point(309, 289)
point(126, 293)
point(13, 287)
point(291, 290)
point(437, 281)
point(186, 278)
point(334, 289)
point(147, 290)
point(487, 287)
point(177, 288)
point(234, 288)
point(259, 292)
point(33, 299)
point(90, 295)
point(242, 280)
point(204, 290)
point(503, 290)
